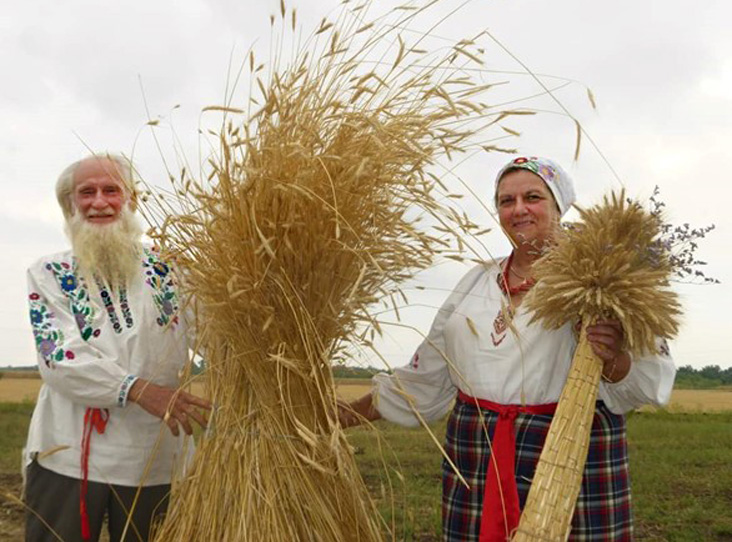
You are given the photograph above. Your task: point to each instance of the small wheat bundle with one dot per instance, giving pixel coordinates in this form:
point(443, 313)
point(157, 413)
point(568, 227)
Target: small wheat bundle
point(610, 265)
point(309, 217)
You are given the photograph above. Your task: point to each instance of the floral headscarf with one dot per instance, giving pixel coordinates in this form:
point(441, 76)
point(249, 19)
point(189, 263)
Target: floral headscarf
point(550, 172)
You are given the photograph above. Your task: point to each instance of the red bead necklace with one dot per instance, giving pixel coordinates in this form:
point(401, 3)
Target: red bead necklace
point(525, 286)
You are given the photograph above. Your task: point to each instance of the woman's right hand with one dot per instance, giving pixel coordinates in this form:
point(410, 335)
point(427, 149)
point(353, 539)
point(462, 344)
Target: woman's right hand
point(356, 412)
point(346, 415)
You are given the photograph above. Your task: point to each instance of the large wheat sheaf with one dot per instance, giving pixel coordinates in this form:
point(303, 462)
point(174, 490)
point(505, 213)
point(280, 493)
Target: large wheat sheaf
point(612, 264)
point(310, 214)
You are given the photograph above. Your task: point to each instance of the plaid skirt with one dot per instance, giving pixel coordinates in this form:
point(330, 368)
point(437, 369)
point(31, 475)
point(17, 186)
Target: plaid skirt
point(603, 511)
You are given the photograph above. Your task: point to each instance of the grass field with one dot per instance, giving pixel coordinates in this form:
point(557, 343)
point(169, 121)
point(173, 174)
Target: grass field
point(681, 469)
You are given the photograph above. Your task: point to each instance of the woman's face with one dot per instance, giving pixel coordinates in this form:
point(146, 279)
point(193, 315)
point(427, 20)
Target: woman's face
point(526, 208)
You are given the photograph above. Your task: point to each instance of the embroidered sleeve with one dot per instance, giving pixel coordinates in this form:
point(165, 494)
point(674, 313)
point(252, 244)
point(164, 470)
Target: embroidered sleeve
point(124, 390)
point(70, 357)
point(649, 382)
point(424, 384)
point(161, 280)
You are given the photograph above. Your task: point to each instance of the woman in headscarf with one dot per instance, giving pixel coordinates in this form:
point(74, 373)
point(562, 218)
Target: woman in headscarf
point(482, 356)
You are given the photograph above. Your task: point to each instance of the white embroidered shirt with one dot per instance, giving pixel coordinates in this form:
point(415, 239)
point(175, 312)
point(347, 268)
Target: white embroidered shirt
point(472, 347)
point(92, 345)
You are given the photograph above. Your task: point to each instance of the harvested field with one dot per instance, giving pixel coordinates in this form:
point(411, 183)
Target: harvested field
point(16, 390)
point(32, 374)
point(353, 388)
point(701, 400)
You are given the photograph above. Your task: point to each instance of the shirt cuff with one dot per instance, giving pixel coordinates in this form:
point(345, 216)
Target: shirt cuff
point(124, 390)
point(629, 376)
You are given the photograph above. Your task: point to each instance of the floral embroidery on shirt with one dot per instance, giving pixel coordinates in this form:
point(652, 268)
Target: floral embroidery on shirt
point(47, 337)
point(500, 325)
point(414, 362)
point(111, 313)
point(124, 390)
point(663, 348)
point(76, 291)
point(109, 305)
point(125, 306)
point(160, 279)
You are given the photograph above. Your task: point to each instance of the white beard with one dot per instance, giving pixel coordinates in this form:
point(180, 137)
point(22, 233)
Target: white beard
point(110, 252)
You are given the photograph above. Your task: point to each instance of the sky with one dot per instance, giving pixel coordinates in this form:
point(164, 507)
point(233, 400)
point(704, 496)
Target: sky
point(84, 75)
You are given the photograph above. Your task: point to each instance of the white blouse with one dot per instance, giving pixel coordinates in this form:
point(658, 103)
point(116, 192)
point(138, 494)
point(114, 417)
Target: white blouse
point(472, 347)
point(92, 345)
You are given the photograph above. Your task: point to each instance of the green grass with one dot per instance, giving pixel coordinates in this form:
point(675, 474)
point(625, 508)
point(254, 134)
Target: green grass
point(402, 469)
point(14, 420)
point(681, 475)
point(681, 471)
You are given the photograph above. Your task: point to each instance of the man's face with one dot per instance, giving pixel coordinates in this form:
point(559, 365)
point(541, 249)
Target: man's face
point(99, 192)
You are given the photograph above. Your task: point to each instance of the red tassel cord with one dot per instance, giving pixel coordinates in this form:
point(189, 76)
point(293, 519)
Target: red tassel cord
point(94, 419)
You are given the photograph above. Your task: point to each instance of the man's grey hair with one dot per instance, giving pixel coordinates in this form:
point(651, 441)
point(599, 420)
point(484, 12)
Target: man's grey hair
point(65, 183)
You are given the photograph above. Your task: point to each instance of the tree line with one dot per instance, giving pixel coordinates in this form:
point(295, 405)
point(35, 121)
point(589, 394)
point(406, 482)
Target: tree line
point(710, 376)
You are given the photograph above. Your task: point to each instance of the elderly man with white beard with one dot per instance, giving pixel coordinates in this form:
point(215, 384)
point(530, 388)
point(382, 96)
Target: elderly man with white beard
point(111, 337)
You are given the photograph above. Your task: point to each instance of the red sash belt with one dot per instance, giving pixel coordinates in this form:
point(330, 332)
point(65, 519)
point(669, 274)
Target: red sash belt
point(94, 418)
point(501, 512)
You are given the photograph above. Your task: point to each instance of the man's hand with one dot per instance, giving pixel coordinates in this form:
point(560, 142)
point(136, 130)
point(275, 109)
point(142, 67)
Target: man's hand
point(171, 405)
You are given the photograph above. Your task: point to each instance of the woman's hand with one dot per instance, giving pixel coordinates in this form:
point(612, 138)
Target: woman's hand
point(347, 417)
point(606, 340)
point(175, 407)
point(356, 412)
